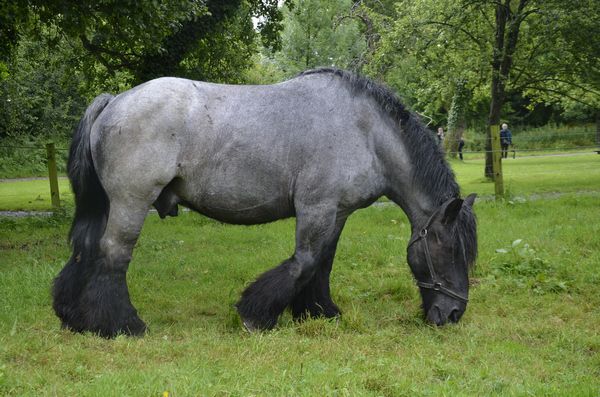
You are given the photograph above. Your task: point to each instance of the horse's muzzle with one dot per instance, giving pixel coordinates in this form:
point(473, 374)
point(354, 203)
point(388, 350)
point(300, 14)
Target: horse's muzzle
point(440, 315)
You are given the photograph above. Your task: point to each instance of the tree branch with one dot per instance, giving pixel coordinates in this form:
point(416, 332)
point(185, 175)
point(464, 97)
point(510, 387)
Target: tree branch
point(558, 80)
point(99, 52)
point(560, 94)
point(466, 32)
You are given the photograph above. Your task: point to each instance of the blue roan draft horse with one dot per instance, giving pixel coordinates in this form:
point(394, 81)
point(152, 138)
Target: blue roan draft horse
point(316, 147)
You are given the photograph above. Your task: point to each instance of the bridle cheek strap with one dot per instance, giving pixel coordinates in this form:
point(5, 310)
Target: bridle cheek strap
point(436, 284)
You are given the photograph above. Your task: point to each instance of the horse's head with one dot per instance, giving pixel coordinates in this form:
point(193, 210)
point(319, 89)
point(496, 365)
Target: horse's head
point(439, 254)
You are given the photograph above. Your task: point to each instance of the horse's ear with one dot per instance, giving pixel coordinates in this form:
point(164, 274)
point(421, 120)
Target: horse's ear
point(470, 199)
point(451, 210)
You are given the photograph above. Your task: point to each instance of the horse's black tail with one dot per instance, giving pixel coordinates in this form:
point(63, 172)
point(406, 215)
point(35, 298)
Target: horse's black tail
point(91, 212)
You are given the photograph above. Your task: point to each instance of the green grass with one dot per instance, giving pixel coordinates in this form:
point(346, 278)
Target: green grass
point(531, 328)
point(533, 175)
point(32, 195)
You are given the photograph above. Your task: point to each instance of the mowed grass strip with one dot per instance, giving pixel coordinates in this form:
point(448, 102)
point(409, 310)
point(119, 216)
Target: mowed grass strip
point(533, 175)
point(32, 194)
point(531, 326)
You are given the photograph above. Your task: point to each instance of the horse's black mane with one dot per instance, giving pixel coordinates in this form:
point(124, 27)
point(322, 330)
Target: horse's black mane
point(431, 170)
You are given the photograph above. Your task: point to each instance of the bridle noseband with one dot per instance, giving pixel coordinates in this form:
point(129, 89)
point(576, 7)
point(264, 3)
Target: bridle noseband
point(435, 284)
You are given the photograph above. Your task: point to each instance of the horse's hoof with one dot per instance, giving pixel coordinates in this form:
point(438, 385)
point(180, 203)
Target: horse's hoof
point(135, 327)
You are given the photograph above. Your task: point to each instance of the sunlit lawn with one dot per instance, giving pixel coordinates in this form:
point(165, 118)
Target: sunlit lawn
point(32, 195)
point(531, 327)
point(530, 175)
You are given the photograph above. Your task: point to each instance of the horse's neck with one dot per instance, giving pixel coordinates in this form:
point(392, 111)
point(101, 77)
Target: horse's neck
point(417, 207)
point(414, 200)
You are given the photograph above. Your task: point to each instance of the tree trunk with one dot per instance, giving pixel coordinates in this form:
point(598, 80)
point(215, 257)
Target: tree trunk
point(456, 118)
point(493, 119)
point(598, 130)
point(497, 85)
point(504, 48)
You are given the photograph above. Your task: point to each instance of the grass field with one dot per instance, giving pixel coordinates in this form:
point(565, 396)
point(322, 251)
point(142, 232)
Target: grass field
point(532, 326)
point(32, 194)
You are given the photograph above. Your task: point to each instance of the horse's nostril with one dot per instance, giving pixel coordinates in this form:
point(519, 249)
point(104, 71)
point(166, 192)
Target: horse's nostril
point(434, 316)
point(454, 315)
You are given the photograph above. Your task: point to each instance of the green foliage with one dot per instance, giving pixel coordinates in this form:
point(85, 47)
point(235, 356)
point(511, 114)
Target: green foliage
point(225, 54)
point(13, 16)
point(430, 45)
point(22, 157)
point(550, 137)
point(66, 53)
point(145, 39)
point(264, 70)
point(457, 108)
point(316, 33)
point(41, 96)
point(422, 56)
point(555, 137)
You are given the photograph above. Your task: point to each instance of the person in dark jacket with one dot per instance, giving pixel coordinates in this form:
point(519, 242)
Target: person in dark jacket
point(505, 139)
point(461, 144)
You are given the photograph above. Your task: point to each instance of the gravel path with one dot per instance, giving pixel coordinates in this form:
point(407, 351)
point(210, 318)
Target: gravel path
point(33, 178)
point(23, 214)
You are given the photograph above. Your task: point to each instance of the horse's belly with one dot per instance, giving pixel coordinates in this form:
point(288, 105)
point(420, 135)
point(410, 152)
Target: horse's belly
point(244, 216)
point(237, 203)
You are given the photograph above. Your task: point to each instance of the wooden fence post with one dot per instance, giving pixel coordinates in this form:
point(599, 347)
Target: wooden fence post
point(598, 131)
point(53, 175)
point(497, 162)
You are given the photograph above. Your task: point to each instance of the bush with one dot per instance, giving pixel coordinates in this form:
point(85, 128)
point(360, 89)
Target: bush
point(26, 157)
point(549, 137)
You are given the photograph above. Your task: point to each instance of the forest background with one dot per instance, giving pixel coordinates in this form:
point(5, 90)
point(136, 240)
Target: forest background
point(461, 64)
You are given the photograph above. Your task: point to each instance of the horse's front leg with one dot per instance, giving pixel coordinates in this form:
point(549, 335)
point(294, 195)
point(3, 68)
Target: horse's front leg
point(264, 300)
point(314, 300)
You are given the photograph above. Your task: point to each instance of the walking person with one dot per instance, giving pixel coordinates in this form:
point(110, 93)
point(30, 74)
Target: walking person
point(505, 139)
point(461, 144)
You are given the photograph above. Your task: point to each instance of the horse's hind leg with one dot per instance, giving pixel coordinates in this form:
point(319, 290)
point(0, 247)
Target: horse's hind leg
point(314, 299)
point(265, 299)
point(104, 302)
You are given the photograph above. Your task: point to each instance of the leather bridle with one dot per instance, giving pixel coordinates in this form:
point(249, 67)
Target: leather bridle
point(436, 283)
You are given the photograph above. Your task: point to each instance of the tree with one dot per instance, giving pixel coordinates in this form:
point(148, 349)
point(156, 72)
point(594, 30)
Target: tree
point(527, 47)
point(456, 117)
point(58, 55)
point(316, 34)
point(149, 39)
point(42, 95)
